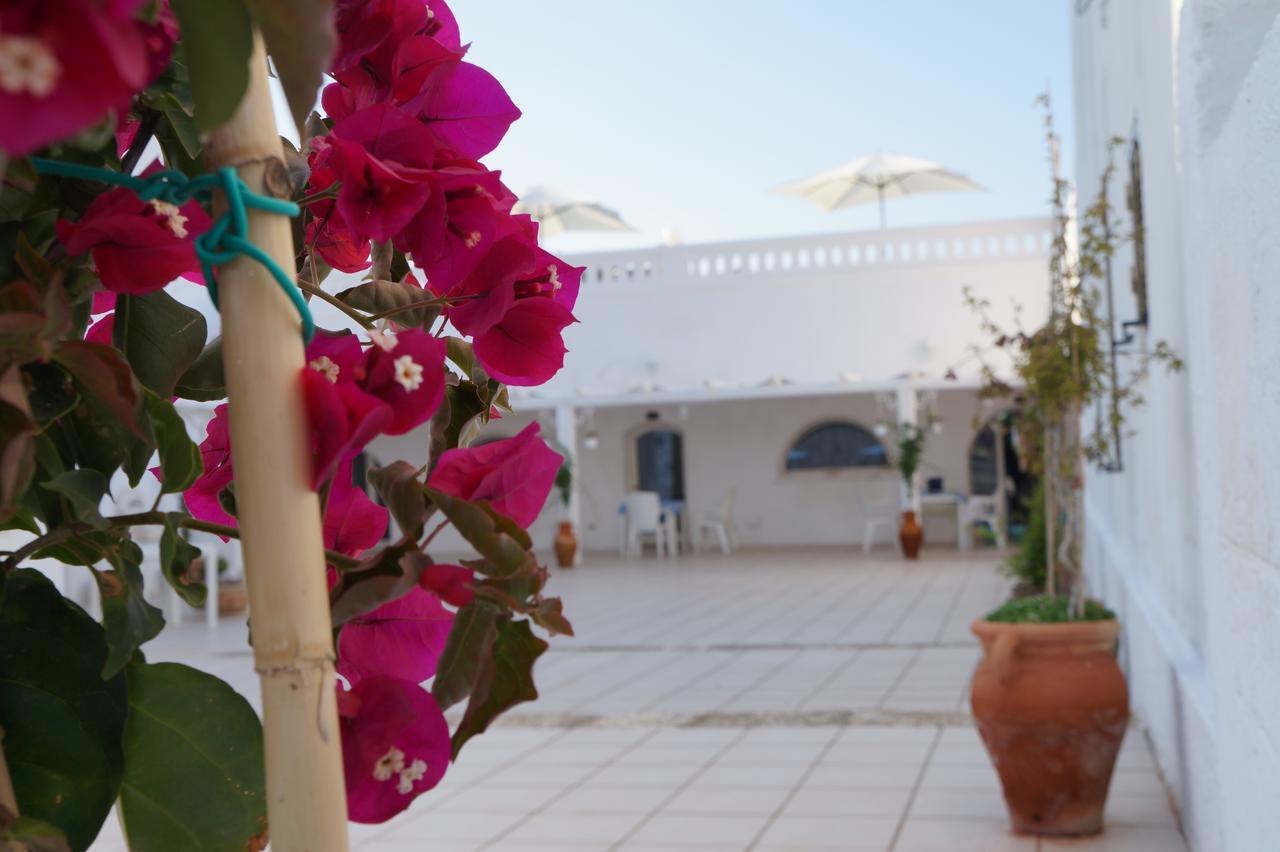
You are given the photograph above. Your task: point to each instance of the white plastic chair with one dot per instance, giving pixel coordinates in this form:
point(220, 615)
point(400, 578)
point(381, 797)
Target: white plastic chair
point(983, 509)
point(644, 518)
point(876, 515)
point(718, 524)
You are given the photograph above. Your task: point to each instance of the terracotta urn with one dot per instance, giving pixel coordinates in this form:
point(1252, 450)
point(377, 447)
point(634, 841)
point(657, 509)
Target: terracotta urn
point(566, 545)
point(911, 535)
point(1052, 707)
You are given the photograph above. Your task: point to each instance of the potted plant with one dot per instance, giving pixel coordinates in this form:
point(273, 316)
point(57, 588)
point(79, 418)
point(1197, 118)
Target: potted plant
point(1049, 697)
point(566, 543)
point(911, 441)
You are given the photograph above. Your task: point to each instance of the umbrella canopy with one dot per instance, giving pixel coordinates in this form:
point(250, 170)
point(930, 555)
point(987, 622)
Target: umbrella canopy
point(557, 213)
point(873, 179)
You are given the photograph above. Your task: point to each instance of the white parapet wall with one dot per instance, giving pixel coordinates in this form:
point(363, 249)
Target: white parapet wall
point(1184, 541)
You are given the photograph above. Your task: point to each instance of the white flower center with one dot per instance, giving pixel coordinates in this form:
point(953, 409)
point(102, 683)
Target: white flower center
point(553, 278)
point(174, 220)
point(324, 364)
point(413, 772)
point(473, 239)
point(389, 764)
point(408, 372)
point(28, 66)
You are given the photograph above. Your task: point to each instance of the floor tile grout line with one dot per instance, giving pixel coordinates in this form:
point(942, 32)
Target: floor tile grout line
point(915, 789)
point(795, 788)
point(541, 809)
point(944, 623)
point(902, 675)
point(658, 808)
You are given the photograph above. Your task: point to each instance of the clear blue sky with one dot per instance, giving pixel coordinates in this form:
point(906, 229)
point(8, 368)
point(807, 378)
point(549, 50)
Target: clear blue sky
point(688, 112)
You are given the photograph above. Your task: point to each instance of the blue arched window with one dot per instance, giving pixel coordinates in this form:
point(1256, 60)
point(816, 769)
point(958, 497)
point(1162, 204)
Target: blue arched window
point(836, 444)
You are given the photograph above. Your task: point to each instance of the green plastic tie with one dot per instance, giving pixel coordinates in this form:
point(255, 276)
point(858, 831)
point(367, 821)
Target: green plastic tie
point(222, 243)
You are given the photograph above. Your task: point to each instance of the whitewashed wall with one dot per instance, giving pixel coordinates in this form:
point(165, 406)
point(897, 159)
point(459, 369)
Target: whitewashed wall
point(1185, 542)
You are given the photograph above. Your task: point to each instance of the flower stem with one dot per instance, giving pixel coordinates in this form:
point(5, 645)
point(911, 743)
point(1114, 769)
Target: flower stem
point(320, 294)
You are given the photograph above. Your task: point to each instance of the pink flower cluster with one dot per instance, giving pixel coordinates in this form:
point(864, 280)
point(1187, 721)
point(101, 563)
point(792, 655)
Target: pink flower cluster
point(412, 119)
point(65, 64)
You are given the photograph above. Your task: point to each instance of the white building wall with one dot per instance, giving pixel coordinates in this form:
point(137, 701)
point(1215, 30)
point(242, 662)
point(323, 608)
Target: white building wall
point(1185, 542)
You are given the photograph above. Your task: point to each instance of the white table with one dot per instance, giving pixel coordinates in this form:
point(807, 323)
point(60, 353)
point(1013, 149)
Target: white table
point(961, 509)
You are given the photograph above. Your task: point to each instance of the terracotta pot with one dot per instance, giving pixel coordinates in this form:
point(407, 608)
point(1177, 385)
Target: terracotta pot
point(566, 545)
point(911, 535)
point(1052, 707)
point(232, 599)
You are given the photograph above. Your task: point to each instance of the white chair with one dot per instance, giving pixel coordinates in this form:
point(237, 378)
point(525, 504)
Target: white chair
point(983, 509)
point(718, 524)
point(877, 514)
point(644, 518)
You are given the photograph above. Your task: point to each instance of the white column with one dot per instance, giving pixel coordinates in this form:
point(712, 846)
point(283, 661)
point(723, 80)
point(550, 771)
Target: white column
point(567, 437)
point(907, 409)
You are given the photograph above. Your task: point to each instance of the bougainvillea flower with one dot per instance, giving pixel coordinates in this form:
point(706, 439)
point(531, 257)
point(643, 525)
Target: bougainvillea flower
point(103, 331)
point(383, 158)
point(400, 73)
point(364, 25)
point(406, 371)
point(341, 416)
point(515, 475)
point(137, 246)
point(553, 278)
point(63, 65)
point(403, 638)
point(327, 231)
point(489, 289)
point(450, 583)
point(395, 746)
point(353, 523)
point(467, 109)
point(215, 454)
point(526, 346)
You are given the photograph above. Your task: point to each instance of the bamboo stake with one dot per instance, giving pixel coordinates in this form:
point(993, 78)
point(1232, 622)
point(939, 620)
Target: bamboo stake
point(8, 798)
point(279, 513)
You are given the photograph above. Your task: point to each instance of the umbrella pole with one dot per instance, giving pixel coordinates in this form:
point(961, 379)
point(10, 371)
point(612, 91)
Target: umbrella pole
point(279, 512)
point(884, 222)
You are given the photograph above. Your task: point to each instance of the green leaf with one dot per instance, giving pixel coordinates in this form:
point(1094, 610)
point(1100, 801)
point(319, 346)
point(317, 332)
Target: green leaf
point(83, 489)
point(86, 548)
point(217, 36)
point(386, 576)
point(176, 556)
point(301, 40)
point(193, 764)
point(376, 297)
point(127, 617)
point(401, 492)
point(101, 373)
point(51, 394)
point(470, 642)
point(160, 337)
point(505, 679)
point(204, 380)
point(504, 545)
point(62, 722)
point(17, 441)
point(461, 354)
point(180, 462)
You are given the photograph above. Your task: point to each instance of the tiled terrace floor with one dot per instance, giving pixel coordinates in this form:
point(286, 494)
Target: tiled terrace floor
point(803, 700)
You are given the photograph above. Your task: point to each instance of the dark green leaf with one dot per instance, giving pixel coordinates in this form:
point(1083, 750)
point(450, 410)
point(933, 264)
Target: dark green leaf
point(461, 354)
point(376, 297)
point(101, 373)
point(218, 39)
point(470, 643)
point(300, 38)
point(160, 338)
point(18, 437)
point(127, 617)
point(549, 615)
point(176, 555)
point(497, 538)
point(386, 576)
point(180, 461)
point(52, 394)
point(401, 492)
point(83, 490)
point(505, 679)
point(204, 380)
point(193, 764)
point(85, 548)
point(63, 723)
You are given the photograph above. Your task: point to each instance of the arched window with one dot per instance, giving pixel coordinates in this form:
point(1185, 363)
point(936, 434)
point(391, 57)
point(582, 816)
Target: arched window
point(836, 444)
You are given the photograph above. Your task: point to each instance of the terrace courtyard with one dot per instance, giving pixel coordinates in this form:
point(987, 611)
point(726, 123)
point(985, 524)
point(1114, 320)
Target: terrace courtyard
point(799, 699)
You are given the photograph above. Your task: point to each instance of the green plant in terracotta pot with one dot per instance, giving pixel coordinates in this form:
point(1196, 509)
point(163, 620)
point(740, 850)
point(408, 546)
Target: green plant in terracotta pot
point(566, 541)
point(1049, 697)
point(911, 442)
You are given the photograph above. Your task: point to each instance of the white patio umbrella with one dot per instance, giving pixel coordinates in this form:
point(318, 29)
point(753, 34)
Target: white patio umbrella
point(557, 213)
point(876, 178)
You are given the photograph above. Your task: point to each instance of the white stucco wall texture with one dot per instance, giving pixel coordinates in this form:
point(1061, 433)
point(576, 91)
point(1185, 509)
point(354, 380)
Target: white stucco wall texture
point(1185, 541)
